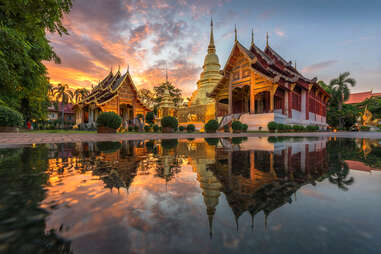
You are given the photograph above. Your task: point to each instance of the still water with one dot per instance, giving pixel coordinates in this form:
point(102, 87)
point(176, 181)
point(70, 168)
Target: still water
point(256, 195)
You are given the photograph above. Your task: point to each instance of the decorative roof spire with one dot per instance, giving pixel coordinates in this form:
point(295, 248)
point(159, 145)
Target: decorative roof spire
point(252, 37)
point(211, 47)
point(295, 64)
point(128, 68)
point(210, 219)
point(235, 33)
point(166, 73)
point(236, 222)
point(252, 221)
point(267, 39)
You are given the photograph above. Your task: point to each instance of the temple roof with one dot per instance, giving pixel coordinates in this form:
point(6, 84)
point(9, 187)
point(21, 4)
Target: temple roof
point(270, 64)
point(360, 97)
point(107, 89)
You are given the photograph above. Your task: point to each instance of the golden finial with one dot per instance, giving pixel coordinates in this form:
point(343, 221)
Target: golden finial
point(267, 39)
point(211, 41)
point(252, 37)
point(235, 33)
point(295, 64)
point(128, 68)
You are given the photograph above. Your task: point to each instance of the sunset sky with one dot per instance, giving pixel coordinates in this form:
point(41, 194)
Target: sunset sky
point(324, 37)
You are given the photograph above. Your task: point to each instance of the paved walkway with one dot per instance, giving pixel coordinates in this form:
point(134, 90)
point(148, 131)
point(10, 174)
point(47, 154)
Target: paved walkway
point(7, 139)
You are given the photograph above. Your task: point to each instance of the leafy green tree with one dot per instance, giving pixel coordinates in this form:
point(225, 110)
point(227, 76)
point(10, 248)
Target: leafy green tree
point(80, 94)
point(173, 91)
point(23, 46)
point(63, 94)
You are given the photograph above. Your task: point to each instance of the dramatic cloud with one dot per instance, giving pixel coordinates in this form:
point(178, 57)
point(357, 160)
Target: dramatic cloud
point(142, 34)
point(318, 66)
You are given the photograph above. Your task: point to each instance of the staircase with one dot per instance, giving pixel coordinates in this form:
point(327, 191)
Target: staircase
point(228, 119)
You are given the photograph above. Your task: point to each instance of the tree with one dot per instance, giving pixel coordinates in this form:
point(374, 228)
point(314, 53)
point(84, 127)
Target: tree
point(340, 91)
point(147, 97)
point(80, 94)
point(23, 47)
point(173, 91)
point(63, 94)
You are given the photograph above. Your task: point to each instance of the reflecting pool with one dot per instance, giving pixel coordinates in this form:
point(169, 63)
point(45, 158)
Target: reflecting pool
point(256, 195)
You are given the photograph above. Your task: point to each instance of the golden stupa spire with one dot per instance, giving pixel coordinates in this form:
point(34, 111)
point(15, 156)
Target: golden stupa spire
point(235, 33)
point(267, 39)
point(252, 37)
point(128, 68)
point(211, 47)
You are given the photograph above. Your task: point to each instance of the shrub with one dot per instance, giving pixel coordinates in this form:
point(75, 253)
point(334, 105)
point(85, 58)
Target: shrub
point(169, 143)
point(147, 128)
point(236, 126)
point(238, 140)
point(10, 117)
point(108, 146)
point(150, 117)
point(191, 128)
point(169, 122)
point(130, 128)
point(244, 127)
point(156, 128)
point(109, 119)
point(312, 128)
point(226, 128)
point(211, 126)
point(181, 128)
point(364, 128)
point(139, 116)
point(212, 141)
point(272, 126)
point(136, 128)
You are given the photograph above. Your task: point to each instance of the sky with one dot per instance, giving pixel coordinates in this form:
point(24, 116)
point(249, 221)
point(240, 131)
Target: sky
point(323, 37)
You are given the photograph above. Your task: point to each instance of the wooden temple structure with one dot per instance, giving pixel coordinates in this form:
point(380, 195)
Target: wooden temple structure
point(259, 86)
point(115, 93)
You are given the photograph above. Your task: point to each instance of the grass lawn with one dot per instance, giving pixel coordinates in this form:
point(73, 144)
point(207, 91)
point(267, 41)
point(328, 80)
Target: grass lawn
point(58, 131)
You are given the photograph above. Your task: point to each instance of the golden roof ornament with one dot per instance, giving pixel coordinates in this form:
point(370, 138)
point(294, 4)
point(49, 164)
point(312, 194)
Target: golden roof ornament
point(252, 37)
point(235, 33)
point(267, 39)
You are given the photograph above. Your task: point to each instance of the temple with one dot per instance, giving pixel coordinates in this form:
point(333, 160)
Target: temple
point(116, 93)
point(259, 86)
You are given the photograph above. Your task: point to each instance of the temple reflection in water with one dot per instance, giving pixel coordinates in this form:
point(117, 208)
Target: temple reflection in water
point(255, 175)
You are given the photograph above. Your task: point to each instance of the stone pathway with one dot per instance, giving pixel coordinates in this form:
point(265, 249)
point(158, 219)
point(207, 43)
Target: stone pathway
point(7, 139)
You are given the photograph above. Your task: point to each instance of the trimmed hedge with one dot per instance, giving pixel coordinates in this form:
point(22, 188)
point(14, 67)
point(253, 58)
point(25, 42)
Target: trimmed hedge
point(150, 117)
point(272, 126)
point(156, 128)
point(108, 146)
point(109, 119)
point(365, 128)
point(147, 128)
point(211, 126)
point(181, 128)
point(169, 122)
point(10, 117)
point(191, 128)
point(244, 127)
point(236, 126)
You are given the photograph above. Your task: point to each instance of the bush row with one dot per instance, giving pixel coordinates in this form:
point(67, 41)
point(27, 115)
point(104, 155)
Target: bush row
point(273, 126)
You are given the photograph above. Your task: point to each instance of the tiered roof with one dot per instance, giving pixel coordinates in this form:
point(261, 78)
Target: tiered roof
point(108, 88)
point(270, 64)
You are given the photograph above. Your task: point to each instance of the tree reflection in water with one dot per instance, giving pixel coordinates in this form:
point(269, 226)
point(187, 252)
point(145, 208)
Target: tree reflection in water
point(255, 175)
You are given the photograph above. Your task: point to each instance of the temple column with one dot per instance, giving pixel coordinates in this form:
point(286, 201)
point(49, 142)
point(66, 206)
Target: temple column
point(252, 166)
point(286, 102)
point(272, 170)
point(272, 101)
point(303, 101)
point(230, 109)
point(307, 105)
point(290, 104)
point(252, 100)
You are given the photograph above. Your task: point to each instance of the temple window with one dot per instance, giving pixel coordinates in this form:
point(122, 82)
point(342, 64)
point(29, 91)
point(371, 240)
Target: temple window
point(297, 99)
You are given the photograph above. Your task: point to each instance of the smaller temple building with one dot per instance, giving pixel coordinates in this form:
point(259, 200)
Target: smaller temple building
point(115, 93)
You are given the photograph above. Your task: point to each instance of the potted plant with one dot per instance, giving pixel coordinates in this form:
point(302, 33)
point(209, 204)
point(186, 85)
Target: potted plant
point(237, 126)
point(191, 128)
point(150, 117)
point(169, 124)
point(156, 128)
point(211, 126)
point(108, 122)
point(147, 128)
point(10, 119)
point(226, 128)
point(272, 126)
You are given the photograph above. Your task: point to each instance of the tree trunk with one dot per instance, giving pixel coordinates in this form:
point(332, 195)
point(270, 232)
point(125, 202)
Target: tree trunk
point(63, 115)
point(340, 107)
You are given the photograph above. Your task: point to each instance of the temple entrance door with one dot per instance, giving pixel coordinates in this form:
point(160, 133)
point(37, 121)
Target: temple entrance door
point(262, 103)
point(241, 99)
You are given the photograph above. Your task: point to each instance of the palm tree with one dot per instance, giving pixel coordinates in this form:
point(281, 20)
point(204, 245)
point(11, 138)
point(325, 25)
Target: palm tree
point(80, 94)
point(63, 94)
point(340, 91)
point(340, 88)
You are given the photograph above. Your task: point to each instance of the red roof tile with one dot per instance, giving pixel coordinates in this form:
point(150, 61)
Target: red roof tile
point(358, 97)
